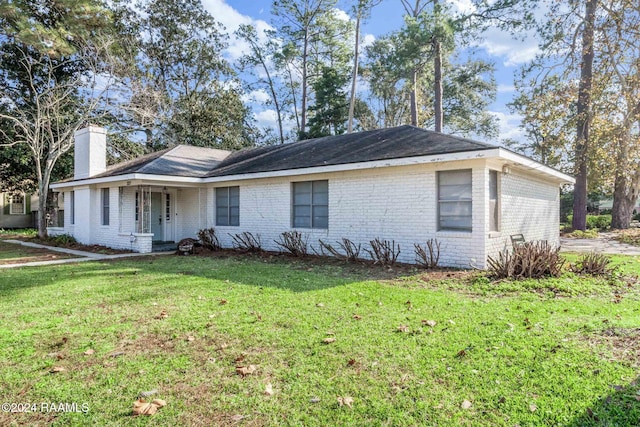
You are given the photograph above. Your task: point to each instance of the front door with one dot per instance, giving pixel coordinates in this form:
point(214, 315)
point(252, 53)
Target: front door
point(157, 219)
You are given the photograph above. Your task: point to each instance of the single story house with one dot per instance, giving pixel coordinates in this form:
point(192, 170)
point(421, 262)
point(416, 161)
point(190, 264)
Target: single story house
point(404, 184)
point(17, 209)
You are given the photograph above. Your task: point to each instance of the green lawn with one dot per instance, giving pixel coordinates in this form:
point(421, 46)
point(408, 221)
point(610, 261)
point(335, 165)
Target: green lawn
point(11, 253)
point(555, 352)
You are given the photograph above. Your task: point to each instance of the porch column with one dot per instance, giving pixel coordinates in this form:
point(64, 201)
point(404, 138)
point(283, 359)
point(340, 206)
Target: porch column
point(83, 208)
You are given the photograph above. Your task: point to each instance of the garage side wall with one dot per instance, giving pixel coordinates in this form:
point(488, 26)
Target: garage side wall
point(530, 207)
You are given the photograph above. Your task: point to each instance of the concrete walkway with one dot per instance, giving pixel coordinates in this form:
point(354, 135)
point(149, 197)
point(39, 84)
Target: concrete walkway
point(82, 255)
point(604, 243)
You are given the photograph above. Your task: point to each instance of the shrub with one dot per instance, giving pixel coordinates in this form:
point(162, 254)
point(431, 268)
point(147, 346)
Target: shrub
point(294, 243)
point(383, 252)
point(428, 256)
point(592, 263)
point(351, 251)
point(579, 234)
point(531, 260)
point(247, 242)
point(63, 240)
point(599, 222)
point(209, 239)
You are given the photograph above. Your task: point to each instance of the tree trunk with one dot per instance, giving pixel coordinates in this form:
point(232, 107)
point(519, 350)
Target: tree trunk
point(42, 210)
point(414, 97)
point(354, 76)
point(303, 108)
point(584, 119)
point(623, 204)
point(437, 84)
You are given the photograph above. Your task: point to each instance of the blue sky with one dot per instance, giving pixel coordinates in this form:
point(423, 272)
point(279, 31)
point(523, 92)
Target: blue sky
point(506, 53)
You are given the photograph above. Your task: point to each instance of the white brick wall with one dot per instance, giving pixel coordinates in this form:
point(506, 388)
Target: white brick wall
point(528, 206)
point(393, 203)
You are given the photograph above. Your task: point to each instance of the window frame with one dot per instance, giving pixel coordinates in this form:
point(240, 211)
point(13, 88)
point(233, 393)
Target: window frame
point(494, 211)
point(105, 209)
point(72, 207)
point(12, 203)
point(312, 205)
point(224, 193)
point(440, 201)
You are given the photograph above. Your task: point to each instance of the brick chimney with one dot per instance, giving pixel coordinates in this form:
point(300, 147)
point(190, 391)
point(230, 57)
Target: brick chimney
point(90, 152)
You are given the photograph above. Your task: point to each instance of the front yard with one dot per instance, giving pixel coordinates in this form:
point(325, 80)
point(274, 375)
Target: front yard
point(330, 344)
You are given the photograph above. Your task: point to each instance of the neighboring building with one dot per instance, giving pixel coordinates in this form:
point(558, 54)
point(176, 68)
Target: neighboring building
point(404, 184)
point(17, 210)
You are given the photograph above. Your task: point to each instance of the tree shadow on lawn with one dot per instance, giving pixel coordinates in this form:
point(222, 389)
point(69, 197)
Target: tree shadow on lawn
point(260, 270)
point(620, 408)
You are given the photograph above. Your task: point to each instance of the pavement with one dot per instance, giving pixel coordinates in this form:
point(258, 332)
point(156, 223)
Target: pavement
point(81, 255)
point(604, 243)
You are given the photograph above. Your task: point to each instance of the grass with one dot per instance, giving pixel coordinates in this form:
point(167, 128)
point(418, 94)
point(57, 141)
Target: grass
point(550, 352)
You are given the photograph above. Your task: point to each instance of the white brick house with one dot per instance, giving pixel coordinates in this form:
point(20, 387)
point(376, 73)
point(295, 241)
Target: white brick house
point(404, 184)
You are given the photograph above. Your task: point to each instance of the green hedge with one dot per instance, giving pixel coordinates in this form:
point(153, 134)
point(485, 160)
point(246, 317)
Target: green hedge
point(599, 222)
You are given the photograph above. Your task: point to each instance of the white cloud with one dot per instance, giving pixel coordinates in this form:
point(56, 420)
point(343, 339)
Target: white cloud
point(232, 19)
point(509, 125)
point(463, 6)
point(513, 52)
point(269, 119)
point(259, 96)
point(341, 14)
point(502, 88)
point(367, 40)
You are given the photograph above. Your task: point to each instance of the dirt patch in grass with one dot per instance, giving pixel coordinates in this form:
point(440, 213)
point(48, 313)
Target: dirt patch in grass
point(11, 253)
point(630, 236)
point(623, 344)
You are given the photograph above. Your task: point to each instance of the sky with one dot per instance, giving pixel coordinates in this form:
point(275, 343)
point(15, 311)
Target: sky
point(506, 53)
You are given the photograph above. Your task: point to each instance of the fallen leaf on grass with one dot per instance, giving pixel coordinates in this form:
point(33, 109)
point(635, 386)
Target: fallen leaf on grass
point(329, 340)
point(431, 323)
point(357, 317)
point(191, 338)
point(268, 390)
point(314, 400)
point(246, 370)
point(466, 404)
point(502, 399)
point(237, 418)
point(461, 353)
point(57, 369)
point(403, 328)
point(351, 362)
point(223, 301)
point(142, 407)
point(533, 407)
point(89, 352)
point(319, 304)
point(163, 315)
point(345, 401)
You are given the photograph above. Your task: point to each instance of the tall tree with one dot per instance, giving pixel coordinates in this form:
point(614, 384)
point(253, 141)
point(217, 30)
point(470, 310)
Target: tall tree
point(55, 77)
point(583, 124)
point(361, 11)
point(259, 61)
point(183, 90)
point(314, 35)
point(330, 111)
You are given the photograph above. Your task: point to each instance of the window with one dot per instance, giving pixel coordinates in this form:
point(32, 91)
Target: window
point(311, 204)
point(105, 206)
point(168, 207)
point(494, 205)
point(16, 204)
point(137, 206)
point(72, 207)
point(454, 200)
point(228, 206)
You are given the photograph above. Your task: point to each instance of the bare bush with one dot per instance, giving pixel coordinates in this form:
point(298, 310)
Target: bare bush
point(209, 239)
point(531, 260)
point(429, 255)
point(294, 243)
point(350, 251)
point(246, 242)
point(592, 263)
point(383, 252)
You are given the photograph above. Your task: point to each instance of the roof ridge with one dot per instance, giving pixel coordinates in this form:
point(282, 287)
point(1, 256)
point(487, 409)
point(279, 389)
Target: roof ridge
point(165, 151)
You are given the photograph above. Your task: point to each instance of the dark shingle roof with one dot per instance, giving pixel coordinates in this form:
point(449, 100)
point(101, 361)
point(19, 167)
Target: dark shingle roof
point(181, 160)
point(379, 144)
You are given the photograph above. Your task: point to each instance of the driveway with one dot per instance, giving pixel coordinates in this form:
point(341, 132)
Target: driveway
point(604, 243)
